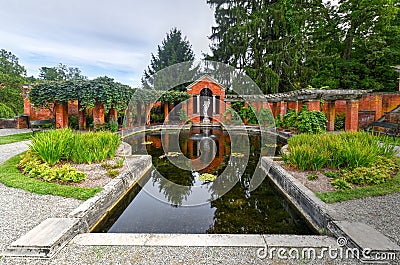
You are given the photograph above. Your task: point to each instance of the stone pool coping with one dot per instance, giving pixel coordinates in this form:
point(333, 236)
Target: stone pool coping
point(320, 215)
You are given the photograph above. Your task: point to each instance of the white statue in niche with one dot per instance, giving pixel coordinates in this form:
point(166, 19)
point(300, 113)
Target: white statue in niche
point(206, 105)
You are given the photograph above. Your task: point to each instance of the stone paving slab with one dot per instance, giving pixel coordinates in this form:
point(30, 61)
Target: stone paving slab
point(45, 239)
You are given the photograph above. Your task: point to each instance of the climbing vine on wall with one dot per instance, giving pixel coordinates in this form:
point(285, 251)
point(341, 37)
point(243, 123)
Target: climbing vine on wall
point(87, 92)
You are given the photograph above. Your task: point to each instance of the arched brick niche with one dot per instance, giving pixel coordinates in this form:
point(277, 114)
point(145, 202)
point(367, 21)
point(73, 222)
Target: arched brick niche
point(203, 89)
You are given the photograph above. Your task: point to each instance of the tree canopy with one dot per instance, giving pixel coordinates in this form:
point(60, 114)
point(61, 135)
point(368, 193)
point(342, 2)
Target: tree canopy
point(290, 44)
point(12, 76)
point(173, 49)
point(60, 72)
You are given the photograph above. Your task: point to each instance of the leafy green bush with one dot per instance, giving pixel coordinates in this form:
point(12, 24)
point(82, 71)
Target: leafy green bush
point(340, 122)
point(311, 121)
point(305, 121)
point(56, 145)
point(5, 111)
point(73, 122)
point(289, 120)
point(34, 167)
point(341, 184)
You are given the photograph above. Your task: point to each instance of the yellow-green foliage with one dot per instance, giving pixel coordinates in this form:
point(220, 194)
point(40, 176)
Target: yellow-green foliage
point(206, 177)
point(56, 145)
point(34, 167)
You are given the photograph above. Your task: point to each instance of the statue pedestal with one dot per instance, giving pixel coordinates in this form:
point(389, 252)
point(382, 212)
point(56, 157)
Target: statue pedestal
point(206, 120)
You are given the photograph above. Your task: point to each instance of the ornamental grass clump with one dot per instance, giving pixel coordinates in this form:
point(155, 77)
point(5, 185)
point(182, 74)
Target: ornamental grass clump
point(335, 151)
point(358, 158)
point(64, 145)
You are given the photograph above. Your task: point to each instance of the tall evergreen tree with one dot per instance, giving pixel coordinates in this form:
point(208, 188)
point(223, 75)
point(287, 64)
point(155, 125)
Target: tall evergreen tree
point(174, 49)
point(266, 38)
point(290, 44)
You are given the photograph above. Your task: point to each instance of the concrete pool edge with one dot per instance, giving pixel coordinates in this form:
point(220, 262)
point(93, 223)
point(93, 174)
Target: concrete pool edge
point(355, 235)
point(201, 240)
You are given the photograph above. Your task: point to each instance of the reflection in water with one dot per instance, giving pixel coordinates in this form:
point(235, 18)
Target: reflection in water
point(240, 210)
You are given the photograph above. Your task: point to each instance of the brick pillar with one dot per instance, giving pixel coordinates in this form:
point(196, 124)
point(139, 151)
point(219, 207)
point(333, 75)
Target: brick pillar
point(27, 106)
point(331, 115)
point(351, 115)
point(184, 107)
point(282, 110)
point(65, 115)
point(112, 114)
point(81, 117)
point(166, 111)
point(228, 115)
point(148, 111)
point(61, 113)
point(98, 113)
point(313, 105)
point(190, 107)
point(378, 104)
point(298, 106)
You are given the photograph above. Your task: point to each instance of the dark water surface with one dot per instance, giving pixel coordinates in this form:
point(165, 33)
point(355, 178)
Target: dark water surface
point(174, 200)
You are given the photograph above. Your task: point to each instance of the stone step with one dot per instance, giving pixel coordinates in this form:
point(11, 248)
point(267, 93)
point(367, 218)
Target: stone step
point(44, 240)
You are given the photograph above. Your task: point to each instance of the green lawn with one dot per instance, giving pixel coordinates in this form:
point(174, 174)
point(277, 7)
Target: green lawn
point(388, 187)
point(15, 138)
point(10, 176)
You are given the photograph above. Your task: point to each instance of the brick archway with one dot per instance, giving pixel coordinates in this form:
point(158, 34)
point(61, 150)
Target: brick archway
point(215, 91)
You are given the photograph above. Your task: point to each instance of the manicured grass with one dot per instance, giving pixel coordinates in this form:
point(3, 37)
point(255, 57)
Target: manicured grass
point(385, 188)
point(8, 139)
point(10, 176)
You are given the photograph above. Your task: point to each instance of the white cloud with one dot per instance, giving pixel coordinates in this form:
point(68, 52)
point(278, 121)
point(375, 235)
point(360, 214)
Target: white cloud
point(98, 35)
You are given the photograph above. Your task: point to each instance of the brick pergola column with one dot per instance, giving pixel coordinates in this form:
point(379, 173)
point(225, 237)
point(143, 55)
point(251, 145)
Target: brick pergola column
point(331, 115)
point(351, 115)
point(297, 107)
point(112, 114)
point(185, 108)
point(313, 105)
point(282, 110)
point(148, 112)
point(61, 113)
point(81, 117)
point(378, 108)
point(166, 111)
point(228, 115)
point(190, 107)
point(98, 113)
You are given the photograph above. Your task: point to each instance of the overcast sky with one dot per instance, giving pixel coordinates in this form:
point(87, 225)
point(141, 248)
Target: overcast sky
point(101, 37)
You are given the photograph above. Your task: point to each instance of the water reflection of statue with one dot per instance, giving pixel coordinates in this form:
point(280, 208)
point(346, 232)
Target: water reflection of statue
point(206, 105)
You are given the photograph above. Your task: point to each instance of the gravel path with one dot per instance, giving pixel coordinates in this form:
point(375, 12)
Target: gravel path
point(129, 255)
point(9, 150)
point(21, 211)
point(4, 132)
point(382, 213)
